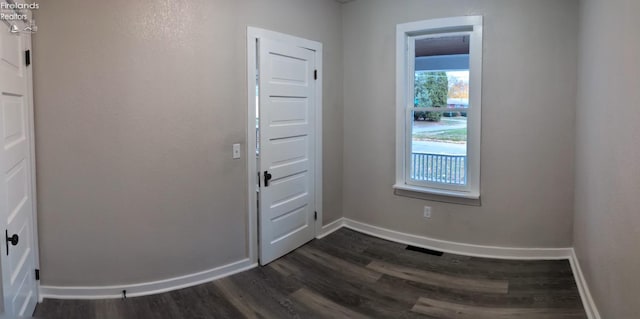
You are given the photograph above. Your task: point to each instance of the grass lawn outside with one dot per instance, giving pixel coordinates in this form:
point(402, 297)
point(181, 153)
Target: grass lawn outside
point(456, 135)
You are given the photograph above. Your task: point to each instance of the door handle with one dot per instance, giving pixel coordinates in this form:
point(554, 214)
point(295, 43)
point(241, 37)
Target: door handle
point(267, 177)
point(13, 240)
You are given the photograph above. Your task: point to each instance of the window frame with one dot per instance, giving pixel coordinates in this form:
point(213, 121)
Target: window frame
point(406, 34)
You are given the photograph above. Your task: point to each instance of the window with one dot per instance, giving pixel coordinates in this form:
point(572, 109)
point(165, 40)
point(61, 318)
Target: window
point(438, 97)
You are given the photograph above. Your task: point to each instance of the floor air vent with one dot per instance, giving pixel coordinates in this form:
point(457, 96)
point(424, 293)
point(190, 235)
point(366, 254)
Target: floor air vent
point(424, 250)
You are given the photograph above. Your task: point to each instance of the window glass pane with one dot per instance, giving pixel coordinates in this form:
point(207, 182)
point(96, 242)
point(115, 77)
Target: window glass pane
point(431, 89)
point(439, 148)
point(439, 139)
point(448, 89)
point(458, 92)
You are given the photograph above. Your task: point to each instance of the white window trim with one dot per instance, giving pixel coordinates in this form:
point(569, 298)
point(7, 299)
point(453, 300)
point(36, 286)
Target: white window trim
point(405, 36)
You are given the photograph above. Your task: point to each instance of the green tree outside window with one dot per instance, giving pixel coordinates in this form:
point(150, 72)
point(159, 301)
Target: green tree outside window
point(431, 90)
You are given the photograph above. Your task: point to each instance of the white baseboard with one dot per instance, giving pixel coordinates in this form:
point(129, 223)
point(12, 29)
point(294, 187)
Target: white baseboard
point(147, 288)
point(160, 286)
point(476, 250)
point(331, 227)
point(589, 305)
point(459, 248)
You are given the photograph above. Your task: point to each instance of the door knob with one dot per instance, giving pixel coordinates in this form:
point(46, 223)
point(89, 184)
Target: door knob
point(267, 177)
point(13, 240)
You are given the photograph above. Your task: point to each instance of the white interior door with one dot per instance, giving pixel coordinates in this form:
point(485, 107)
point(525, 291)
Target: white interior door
point(17, 251)
point(286, 164)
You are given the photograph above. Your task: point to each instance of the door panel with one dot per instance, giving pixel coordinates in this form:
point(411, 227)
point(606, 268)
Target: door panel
point(287, 99)
point(288, 194)
point(290, 225)
point(13, 111)
point(288, 116)
point(288, 156)
point(16, 177)
point(17, 188)
point(11, 57)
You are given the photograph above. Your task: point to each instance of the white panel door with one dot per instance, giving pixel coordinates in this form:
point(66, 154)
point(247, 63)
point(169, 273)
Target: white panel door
point(17, 251)
point(287, 105)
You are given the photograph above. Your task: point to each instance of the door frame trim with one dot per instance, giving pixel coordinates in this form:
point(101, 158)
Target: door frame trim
point(32, 154)
point(253, 34)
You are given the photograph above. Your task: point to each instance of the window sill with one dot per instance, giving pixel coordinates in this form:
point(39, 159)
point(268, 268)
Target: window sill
point(439, 195)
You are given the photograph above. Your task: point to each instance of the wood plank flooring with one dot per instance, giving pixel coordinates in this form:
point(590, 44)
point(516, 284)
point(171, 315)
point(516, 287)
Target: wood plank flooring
point(352, 275)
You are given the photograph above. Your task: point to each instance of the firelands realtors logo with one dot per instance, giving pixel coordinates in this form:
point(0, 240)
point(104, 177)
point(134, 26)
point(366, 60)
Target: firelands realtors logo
point(11, 13)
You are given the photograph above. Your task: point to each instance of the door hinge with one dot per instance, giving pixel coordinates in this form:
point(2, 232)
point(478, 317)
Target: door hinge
point(315, 74)
point(37, 274)
point(315, 215)
point(27, 57)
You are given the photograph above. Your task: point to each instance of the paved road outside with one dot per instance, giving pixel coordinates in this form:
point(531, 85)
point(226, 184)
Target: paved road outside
point(444, 124)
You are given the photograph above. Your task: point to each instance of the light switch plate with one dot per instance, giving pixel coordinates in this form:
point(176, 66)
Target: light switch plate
point(236, 151)
point(427, 212)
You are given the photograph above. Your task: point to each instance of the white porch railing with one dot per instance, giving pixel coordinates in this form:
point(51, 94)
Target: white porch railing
point(440, 168)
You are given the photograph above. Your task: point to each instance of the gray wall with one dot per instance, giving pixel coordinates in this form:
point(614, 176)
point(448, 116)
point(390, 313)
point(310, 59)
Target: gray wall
point(529, 87)
point(137, 105)
point(607, 217)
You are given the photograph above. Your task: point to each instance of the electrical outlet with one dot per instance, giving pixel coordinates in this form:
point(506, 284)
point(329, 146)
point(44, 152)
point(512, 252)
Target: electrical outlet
point(427, 212)
point(236, 151)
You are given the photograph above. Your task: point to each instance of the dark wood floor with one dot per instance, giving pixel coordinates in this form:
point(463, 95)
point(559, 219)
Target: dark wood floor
point(351, 275)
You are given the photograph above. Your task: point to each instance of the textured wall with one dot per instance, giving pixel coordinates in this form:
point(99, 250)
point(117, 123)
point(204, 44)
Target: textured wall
point(137, 106)
point(607, 201)
point(529, 87)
